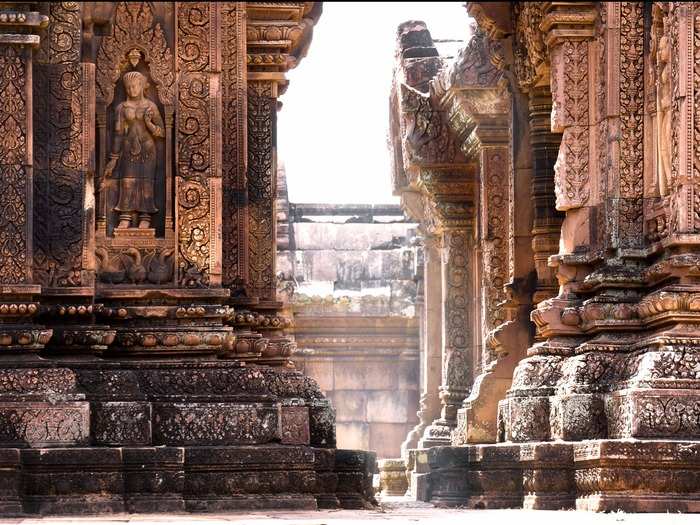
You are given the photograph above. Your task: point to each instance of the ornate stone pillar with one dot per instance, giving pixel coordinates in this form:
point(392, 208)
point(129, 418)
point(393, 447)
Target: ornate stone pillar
point(18, 286)
point(432, 357)
point(547, 220)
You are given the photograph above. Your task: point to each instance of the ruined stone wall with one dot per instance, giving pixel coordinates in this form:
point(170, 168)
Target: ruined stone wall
point(354, 301)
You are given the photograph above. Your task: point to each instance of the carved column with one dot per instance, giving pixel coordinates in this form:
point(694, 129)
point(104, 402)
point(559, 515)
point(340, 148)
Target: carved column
point(547, 220)
point(457, 292)
point(234, 124)
point(432, 318)
point(18, 289)
point(262, 123)
point(198, 182)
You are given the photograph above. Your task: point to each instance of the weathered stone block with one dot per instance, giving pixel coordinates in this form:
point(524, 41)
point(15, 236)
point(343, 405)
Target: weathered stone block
point(154, 479)
point(388, 406)
point(526, 418)
point(230, 478)
point(10, 482)
point(354, 435)
point(121, 423)
point(322, 424)
point(213, 424)
point(351, 405)
point(293, 425)
point(60, 481)
point(548, 476)
point(40, 424)
point(494, 477)
point(448, 476)
point(575, 417)
point(355, 469)
point(638, 476)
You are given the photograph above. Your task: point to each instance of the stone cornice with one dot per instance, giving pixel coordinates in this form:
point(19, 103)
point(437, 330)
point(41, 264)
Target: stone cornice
point(278, 35)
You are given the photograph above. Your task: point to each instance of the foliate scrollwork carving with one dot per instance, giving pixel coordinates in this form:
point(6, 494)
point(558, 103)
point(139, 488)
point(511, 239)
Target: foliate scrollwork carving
point(135, 28)
point(529, 50)
point(196, 161)
point(495, 250)
point(62, 127)
point(261, 188)
point(631, 123)
point(425, 130)
point(14, 178)
point(457, 369)
point(233, 91)
point(62, 39)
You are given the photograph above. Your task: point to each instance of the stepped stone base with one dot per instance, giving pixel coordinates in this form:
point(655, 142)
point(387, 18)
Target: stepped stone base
point(98, 436)
point(602, 475)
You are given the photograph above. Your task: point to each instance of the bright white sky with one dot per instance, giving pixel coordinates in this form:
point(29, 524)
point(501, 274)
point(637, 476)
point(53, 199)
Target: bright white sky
point(332, 130)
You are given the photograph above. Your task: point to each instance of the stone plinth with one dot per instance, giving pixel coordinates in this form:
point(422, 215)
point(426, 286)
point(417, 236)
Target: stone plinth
point(392, 477)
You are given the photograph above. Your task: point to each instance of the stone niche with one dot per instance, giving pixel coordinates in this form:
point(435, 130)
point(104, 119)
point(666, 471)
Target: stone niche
point(144, 355)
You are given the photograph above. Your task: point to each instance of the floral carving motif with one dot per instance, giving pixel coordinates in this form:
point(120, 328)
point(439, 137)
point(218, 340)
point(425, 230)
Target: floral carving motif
point(529, 50)
point(457, 368)
point(631, 123)
point(196, 161)
point(261, 189)
point(233, 120)
point(135, 28)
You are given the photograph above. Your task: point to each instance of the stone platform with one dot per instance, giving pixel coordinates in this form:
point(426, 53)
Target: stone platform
point(101, 436)
point(602, 475)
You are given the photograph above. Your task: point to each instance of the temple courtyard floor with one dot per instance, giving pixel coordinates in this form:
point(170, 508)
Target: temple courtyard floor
point(394, 511)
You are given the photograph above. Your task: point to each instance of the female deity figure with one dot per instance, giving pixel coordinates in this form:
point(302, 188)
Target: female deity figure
point(138, 124)
point(664, 100)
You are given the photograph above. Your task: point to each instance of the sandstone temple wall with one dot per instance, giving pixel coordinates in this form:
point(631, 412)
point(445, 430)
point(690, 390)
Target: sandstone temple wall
point(553, 165)
point(355, 293)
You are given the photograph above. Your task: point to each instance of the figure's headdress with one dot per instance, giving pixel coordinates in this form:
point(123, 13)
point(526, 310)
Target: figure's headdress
point(132, 76)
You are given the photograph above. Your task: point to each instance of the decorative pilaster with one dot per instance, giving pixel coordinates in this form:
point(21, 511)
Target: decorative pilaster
point(546, 223)
point(234, 122)
point(16, 182)
point(262, 123)
point(198, 182)
point(432, 358)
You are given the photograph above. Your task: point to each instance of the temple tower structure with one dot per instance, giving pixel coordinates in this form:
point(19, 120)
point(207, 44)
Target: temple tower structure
point(577, 129)
point(145, 364)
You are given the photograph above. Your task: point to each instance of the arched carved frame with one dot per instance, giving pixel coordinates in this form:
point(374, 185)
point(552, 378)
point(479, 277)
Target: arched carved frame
point(135, 28)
